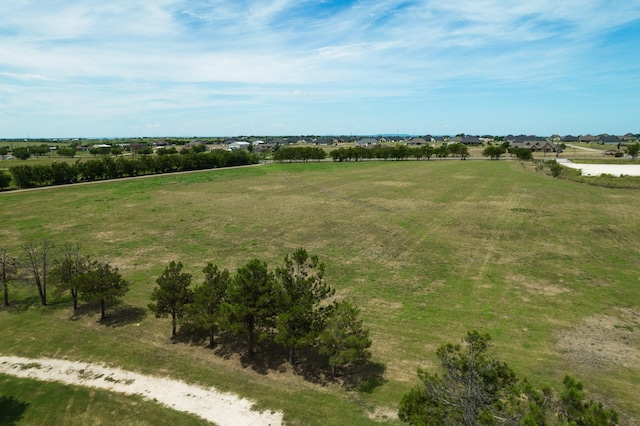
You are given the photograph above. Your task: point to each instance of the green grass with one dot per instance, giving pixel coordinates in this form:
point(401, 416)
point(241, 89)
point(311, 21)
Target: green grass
point(427, 249)
point(25, 401)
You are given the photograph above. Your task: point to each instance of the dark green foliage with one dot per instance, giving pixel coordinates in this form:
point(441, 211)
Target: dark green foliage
point(472, 386)
point(5, 180)
point(302, 291)
point(101, 283)
point(21, 153)
point(252, 301)
point(172, 294)
point(39, 150)
point(580, 412)
point(67, 151)
point(476, 389)
point(299, 154)
point(204, 311)
point(494, 152)
point(633, 150)
point(106, 167)
point(521, 154)
point(458, 149)
point(343, 338)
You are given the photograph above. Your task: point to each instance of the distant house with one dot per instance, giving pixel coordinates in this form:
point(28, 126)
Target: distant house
point(367, 142)
point(536, 145)
point(570, 138)
point(588, 138)
point(239, 145)
point(610, 140)
point(418, 142)
point(471, 141)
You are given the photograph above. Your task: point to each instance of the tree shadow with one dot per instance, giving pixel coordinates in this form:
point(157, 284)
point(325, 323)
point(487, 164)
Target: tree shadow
point(11, 410)
point(364, 376)
point(123, 314)
point(118, 314)
point(22, 305)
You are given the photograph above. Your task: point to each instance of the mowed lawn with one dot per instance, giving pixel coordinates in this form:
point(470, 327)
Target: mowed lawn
point(426, 249)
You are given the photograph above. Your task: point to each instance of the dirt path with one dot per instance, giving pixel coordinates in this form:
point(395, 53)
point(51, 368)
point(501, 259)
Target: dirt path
point(217, 407)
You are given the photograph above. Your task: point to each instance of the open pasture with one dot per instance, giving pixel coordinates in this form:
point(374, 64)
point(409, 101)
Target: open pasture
point(426, 249)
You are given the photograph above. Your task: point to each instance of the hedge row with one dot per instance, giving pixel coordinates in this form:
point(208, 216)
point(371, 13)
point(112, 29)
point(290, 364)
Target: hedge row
point(107, 167)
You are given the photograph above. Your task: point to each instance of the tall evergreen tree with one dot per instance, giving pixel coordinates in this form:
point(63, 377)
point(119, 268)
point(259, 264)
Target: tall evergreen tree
point(252, 301)
point(302, 290)
point(205, 310)
point(172, 294)
point(101, 283)
point(344, 339)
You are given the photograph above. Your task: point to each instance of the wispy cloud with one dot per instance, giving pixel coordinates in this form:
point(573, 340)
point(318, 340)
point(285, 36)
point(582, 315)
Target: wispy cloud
point(206, 58)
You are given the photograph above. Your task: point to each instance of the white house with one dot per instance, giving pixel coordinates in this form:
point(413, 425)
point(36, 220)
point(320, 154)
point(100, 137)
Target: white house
point(238, 145)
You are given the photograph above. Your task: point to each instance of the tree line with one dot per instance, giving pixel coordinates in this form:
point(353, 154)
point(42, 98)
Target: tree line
point(107, 167)
point(291, 305)
point(399, 152)
point(66, 270)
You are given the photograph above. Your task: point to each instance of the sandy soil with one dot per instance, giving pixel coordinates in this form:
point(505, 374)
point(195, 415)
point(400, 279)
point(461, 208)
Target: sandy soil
point(217, 407)
point(599, 169)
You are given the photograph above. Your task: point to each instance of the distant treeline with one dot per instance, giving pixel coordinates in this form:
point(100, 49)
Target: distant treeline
point(378, 152)
point(107, 167)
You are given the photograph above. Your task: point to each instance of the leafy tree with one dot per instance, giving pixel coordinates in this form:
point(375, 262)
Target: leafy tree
point(494, 152)
point(39, 150)
point(172, 294)
point(21, 153)
point(66, 271)
point(101, 283)
point(427, 151)
point(8, 271)
point(521, 154)
point(470, 390)
point(251, 304)
point(38, 264)
point(344, 339)
point(205, 310)
point(633, 150)
point(67, 151)
point(303, 290)
point(5, 180)
point(442, 151)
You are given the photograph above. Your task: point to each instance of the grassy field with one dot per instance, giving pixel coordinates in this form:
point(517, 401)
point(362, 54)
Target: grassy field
point(427, 249)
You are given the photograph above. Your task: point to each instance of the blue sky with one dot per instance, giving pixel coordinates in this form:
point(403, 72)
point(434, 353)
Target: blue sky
point(71, 68)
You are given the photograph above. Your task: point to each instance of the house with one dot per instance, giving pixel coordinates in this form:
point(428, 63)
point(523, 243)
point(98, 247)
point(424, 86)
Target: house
point(570, 138)
point(470, 140)
point(238, 145)
point(610, 140)
point(367, 142)
point(418, 142)
point(587, 138)
point(536, 146)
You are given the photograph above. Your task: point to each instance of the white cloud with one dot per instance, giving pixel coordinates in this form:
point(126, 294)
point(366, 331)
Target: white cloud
point(119, 56)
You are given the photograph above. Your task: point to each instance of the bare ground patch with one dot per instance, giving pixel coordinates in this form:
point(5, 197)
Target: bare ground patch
point(536, 287)
point(603, 341)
